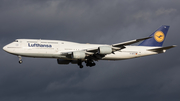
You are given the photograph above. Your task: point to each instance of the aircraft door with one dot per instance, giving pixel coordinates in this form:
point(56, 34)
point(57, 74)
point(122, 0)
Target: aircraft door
point(138, 53)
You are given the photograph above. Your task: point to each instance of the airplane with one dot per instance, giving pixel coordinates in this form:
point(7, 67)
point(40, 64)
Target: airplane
point(67, 52)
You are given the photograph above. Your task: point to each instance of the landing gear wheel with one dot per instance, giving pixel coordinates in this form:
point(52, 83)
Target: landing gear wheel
point(81, 66)
point(20, 62)
point(90, 63)
point(20, 59)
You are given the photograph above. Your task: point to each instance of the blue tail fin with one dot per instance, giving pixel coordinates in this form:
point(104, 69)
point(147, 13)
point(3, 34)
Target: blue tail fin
point(158, 37)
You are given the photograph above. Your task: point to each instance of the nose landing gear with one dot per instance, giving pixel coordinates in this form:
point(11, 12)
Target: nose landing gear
point(20, 60)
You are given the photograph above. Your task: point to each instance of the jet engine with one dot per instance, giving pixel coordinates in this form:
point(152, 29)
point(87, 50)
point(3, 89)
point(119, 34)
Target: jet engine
point(61, 61)
point(78, 55)
point(104, 50)
point(74, 61)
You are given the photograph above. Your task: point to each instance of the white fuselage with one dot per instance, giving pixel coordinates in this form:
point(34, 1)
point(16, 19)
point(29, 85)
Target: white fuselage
point(55, 48)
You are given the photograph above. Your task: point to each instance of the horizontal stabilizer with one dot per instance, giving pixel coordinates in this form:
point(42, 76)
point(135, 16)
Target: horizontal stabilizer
point(161, 48)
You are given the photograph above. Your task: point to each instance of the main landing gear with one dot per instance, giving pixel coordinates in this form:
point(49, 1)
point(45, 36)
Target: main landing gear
point(20, 60)
point(80, 64)
point(89, 63)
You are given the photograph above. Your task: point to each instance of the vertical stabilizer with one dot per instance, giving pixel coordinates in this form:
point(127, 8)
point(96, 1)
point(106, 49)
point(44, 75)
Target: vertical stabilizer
point(158, 37)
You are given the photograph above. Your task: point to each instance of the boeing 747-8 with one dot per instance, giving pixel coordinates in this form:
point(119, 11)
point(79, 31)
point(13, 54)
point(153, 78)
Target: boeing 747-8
point(70, 52)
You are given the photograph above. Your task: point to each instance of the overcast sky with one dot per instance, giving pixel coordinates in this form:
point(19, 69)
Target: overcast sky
point(151, 78)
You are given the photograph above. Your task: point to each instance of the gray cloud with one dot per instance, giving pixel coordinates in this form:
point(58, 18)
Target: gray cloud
point(147, 78)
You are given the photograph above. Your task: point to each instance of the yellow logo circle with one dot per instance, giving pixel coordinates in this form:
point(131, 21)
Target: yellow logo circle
point(159, 36)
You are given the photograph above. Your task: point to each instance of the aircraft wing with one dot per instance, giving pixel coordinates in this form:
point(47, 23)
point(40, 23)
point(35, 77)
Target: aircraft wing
point(130, 42)
point(119, 46)
point(161, 48)
point(115, 47)
point(70, 52)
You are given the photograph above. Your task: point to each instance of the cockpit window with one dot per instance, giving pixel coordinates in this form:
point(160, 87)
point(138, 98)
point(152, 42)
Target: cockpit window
point(16, 41)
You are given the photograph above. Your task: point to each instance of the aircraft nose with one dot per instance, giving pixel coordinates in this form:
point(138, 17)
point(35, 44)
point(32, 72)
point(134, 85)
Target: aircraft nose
point(5, 48)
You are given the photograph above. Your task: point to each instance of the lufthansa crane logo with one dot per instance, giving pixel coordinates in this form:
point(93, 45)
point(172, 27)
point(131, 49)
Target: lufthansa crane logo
point(159, 36)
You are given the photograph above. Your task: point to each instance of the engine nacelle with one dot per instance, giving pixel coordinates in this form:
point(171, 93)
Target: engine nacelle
point(104, 50)
point(74, 61)
point(61, 61)
point(78, 55)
